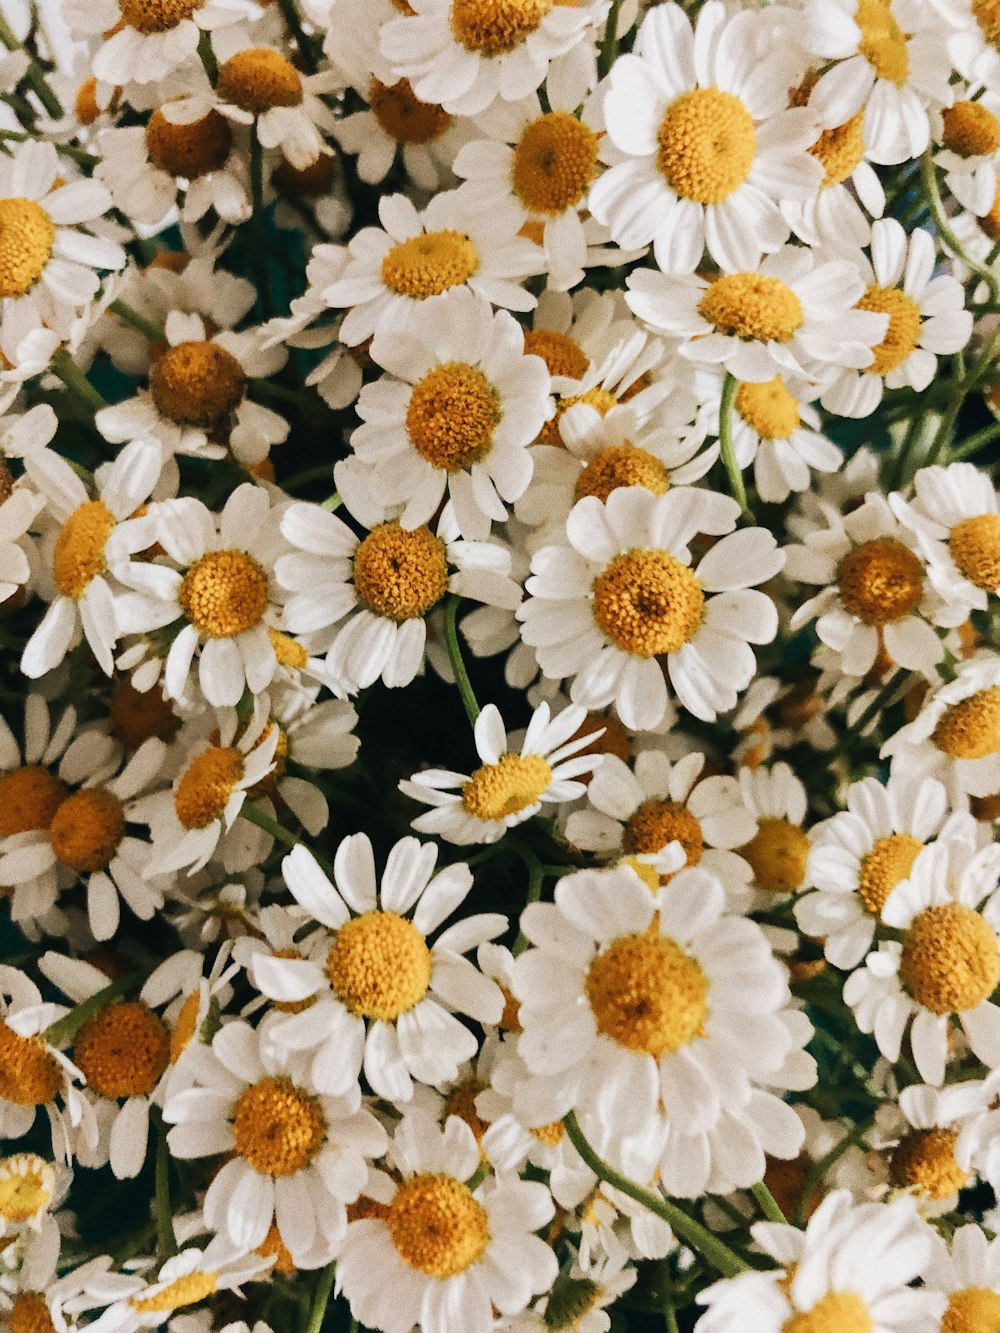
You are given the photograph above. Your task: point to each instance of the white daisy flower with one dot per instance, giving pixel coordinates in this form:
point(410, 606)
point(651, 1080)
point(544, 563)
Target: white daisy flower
point(18, 511)
point(296, 1156)
point(620, 596)
point(859, 856)
point(969, 152)
point(581, 1296)
point(47, 263)
point(948, 964)
point(793, 314)
point(702, 146)
point(444, 1255)
point(882, 56)
point(189, 1002)
point(31, 1292)
point(378, 994)
point(919, 1133)
point(927, 318)
point(632, 1006)
point(371, 597)
point(573, 332)
point(877, 599)
point(456, 419)
point(778, 853)
point(967, 1270)
point(508, 787)
point(416, 256)
point(852, 1267)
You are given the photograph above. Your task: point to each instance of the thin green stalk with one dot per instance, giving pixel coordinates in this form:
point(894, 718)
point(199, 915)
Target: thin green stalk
point(34, 76)
point(77, 155)
point(465, 689)
point(670, 1319)
point(609, 46)
point(76, 381)
point(166, 1240)
point(928, 179)
point(302, 40)
point(332, 502)
point(153, 331)
point(727, 451)
point(819, 1169)
point(322, 473)
point(768, 1203)
point(304, 399)
point(974, 442)
point(536, 877)
point(207, 56)
point(281, 834)
point(879, 702)
point(980, 369)
point(321, 1299)
point(63, 1030)
point(685, 1228)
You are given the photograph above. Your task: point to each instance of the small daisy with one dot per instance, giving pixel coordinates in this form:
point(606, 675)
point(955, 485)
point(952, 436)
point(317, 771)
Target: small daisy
point(18, 512)
point(948, 963)
point(969, 155)
point(378, 994)
point(439, 1252)
point(29, 1187)
point(967, 1270)
point(32, 1295)
point(919, 1134)
point(620, 596)
point(464, 403)
point(793, 314)
point(877, 599)
point(296, 1156)
point(581, 1296)
point(702, 146)
point(508, 787)
point(189, 1002)
point(416, 256)
point(859, 856)
point(778, 853)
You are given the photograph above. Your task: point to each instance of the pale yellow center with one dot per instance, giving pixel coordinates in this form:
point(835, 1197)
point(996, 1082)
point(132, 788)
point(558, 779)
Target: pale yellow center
point(379, 965)
point(186, 1290)
point(880, 581)
point(515, 782)
point(437, 1226)
point(903, 334)
point(27, 234)
point(883, 43)
point(647, 994)
point(647, 603)
point(950, 961)
point(554, 162)
point(768, 408)
point(429, 264)
point(197, 383)
point(494, 27)
point(753, 307)
point(87, 829)
point(224, 593)
point(401, 574)
point(27, 1184)
point(887, 864)
point(451, 416)
point(924, 1162)
point(972, 1310)
point(970, 729)
point(777, 854)
point(123, 1051)
point(79, 550)
point(837, 1312)
point(206, 786)
point(706, 145)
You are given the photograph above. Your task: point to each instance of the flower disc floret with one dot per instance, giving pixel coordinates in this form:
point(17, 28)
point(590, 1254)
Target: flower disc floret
point(950, 960)
point(27, 234)
point(768, 408)
point(570, 1300)
point(880, 581)
point(27, 1184)
point(752, 306)
point(562, 354)
point(622, 465)
point(402, 114)
point(903, 334)
point(401, 573)
point(705, 145)
point(554, 162)
point(149, 16)
point(837, 1312)
point(437, 1226)
point(975, 548)
point(29, 1072)
point(197, 383)
point(777, 854)
point(224, 593)
point(515, 782)
point(186, 1290)
point(972, 1310)
point(883, 43)
point(494, 27)
point(123, 1051)
point(258, 79)
point(30, 1314)
point(429, 264)
point(29, 798)
point(970, 729)
point(87, 828)
point(647, 603)
point(379, 965)
point(206, 786)
point(451, 416)
point(887, 864)
point(277, 1127)
point(79, 551)
point(656, 823)
point(987, 15)
point(924, 1162)
point(647, 994)
point(189, 150)
point(970, 130)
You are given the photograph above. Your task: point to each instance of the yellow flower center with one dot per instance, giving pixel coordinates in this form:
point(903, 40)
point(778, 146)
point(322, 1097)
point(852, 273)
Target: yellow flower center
point(768, 408)
point(452, 414)
point(903, 334)
point(258, 79)
point(880, 581)
point(837, 1312)
point(224, 593)
point(27, 1184)
point(975, 547)
point(429, 264)
point(29, 798)
point(29, 1072)
point(134, 717)
point(87, 829)
point(497, 791)
point(30, 1314)
point(883, 43)
point(950, 960)
point(185, 1027)
point(622, 465)
point(379, 965)
point(970, 130)
point(924, 1162)
point(554, 162)
point(752, 306)
point(272, 1244)
point(403, 116)
point(706, 145)
point(494, 27)
point(647, 603)
point(79, 551)
point(189, 150)
point(657, 823)
point(551, 1134)
point(206, 786)
point(777, 855)
point(287, 650)
point(401, 574)
point(647, 994)
point(197, 384)
point(123, 1051)
point(186, 1290)
point(840, 149)
point(148, 16)
point(437, 1226)
point(601, 400)
point(887, 864)
point(278, 1128)
point(27, 234)
point(561, 353)
point(970, 729)
point(972, 1310)
point(987, 15)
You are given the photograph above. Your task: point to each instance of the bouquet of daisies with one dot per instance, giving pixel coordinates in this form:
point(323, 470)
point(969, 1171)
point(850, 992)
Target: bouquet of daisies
point(500, 674)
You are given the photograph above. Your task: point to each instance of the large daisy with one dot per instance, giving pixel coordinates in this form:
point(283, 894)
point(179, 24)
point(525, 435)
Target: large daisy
point(622, 595)
point(967, 1270)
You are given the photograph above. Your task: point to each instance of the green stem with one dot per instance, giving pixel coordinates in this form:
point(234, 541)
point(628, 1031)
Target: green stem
point(304, 399)
point(78, 155)
point(322, 473)
point(321, 1299)
point(685, 1228)
point(35, 77)
point(536, 876)
point(879, 702)
point(819, 1169)
point(76, 381)
point(457, 664)
point(974, 442)
point(609, 46)
point(280, 834)
point(166, 1240)
point(208, 56)
point(291, 16)
point(332, 502)
point(726, 450)
point(63, 1030)
point(153, 331)
point(670, 1319)
point(980, 369)
point(768, 1203)
point(928, 179)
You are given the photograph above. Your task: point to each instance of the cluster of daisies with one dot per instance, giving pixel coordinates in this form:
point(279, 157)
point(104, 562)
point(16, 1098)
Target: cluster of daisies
point(500, 666)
